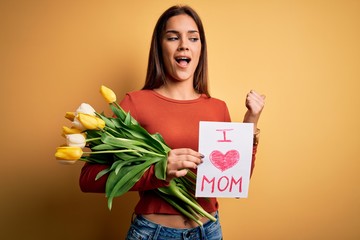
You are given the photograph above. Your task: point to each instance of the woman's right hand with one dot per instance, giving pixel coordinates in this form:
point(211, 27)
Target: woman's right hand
point(180, 160)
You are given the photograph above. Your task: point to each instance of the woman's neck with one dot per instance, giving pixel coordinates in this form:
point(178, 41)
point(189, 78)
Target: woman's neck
point(178, 91)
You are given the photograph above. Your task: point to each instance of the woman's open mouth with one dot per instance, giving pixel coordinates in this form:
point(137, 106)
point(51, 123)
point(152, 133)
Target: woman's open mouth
point(183, 61)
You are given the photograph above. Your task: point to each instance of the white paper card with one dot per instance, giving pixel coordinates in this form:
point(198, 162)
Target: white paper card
point(227, 147)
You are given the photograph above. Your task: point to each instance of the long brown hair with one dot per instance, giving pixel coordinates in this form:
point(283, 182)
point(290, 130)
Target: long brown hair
point(155, 76)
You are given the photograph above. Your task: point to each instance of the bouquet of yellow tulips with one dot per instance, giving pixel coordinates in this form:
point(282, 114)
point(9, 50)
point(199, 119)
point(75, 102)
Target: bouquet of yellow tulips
point(129, 150)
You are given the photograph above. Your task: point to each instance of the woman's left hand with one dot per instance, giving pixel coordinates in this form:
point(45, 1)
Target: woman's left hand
point(255, 104)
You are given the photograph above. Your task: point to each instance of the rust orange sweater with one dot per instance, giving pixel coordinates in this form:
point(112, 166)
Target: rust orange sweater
point(178, 122)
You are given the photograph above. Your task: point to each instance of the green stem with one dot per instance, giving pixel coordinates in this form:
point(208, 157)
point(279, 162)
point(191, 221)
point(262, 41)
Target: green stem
point(190, 174)
point(193, 212)
point(179, 208)
point(117, 105)
point(151, 153)
point(188, 195)
point(174, 191)
point(93, 139)
point(126, 150)
point(113, 130)
point(188, 184)
point(111, 151)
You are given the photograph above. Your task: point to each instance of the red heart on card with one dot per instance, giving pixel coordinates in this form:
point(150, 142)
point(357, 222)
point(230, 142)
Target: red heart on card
point(224, 162)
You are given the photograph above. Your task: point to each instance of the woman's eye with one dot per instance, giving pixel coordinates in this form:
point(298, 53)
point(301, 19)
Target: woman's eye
point(172, 38)
point(194, 39)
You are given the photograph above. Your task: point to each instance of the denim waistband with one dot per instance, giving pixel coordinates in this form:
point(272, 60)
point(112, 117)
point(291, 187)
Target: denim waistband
point(163, 232)
point(153, 225)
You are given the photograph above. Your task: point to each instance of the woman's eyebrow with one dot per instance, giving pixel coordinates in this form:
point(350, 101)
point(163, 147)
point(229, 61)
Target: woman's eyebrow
point(177, 32)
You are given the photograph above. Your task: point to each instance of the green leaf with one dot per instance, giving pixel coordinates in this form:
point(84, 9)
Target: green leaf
point(126, 178)
point(127, 119)
point(102, 147)
point(126, 143)
point(102, 173)
point(119, 112)
point(135, 131)
point(117, 122)
point(140, 132)
point(160, 169)
point(134, 161)
point(126, 155)
point(93, 133)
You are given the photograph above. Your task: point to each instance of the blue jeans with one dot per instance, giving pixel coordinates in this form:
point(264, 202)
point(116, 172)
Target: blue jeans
point(143, 229)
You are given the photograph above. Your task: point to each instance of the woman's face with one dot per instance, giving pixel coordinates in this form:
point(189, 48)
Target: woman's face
point(181, 48)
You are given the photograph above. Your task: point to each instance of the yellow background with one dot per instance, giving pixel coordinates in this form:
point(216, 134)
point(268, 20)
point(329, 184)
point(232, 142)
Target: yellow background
point(304, 55)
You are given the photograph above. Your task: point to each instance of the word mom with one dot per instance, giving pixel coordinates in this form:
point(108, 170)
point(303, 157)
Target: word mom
point(224, 183)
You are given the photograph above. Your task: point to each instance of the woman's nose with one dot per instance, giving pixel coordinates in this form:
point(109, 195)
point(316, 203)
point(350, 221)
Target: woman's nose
point(182, 48)
point(183, 45)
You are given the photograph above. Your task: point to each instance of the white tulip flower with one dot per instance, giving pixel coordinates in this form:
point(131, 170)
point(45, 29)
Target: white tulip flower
point(85, 108)
point(76, 140)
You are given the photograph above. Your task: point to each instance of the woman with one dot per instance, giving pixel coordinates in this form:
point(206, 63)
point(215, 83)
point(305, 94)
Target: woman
point(172, 102)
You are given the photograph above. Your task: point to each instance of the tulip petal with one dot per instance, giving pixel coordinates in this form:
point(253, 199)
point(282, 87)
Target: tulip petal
point(108, 94)
point(76, 140)
point(87, 121)
point(67, 130)
point(100, 122)
point(68, 153)
point(70, 115)
point(86, 109)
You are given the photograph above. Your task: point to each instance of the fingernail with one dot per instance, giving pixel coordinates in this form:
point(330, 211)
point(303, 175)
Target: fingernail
point(202, 155)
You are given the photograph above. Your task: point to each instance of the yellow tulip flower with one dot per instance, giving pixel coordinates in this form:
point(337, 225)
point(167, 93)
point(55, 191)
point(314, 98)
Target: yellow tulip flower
point(70, 116)
point(90, 122)
point(68, 154)
point(108, 94)
point(101, 123)
point(67, 130)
